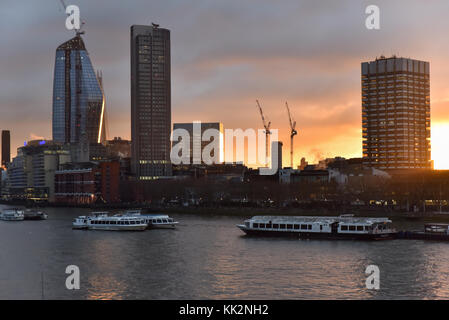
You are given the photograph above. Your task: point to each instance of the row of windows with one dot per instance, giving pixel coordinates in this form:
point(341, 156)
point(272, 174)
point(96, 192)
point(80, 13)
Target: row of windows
point(355, 228)
point(117, 222)
point(283, 226)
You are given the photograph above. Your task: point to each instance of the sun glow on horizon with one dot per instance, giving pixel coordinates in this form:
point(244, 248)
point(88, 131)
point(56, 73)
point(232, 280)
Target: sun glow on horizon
point(440, 144)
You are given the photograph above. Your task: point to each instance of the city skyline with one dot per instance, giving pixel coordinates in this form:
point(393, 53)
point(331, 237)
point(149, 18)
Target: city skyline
point(224, 72)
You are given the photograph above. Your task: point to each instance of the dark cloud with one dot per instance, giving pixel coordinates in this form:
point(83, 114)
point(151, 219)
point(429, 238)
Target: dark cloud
point(225, 54)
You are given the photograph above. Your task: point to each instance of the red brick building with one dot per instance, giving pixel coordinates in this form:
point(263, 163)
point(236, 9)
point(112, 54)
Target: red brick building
point(87, 183)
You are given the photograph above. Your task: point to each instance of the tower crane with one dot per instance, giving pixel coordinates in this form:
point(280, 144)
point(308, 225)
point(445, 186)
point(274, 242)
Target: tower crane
point(293, 133)
point(266, 125)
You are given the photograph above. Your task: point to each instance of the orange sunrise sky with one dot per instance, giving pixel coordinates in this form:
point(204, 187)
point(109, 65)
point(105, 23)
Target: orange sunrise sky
point(227, 54)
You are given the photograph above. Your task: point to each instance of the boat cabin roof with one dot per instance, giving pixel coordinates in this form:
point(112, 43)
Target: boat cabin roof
point(153, 215)
point(436, 225)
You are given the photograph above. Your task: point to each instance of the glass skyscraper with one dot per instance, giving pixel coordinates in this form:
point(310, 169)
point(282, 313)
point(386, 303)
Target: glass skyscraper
point(150, 102)
point(78, 98)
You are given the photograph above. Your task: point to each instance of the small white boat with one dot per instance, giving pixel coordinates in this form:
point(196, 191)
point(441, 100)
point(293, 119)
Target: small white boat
point(80, 223)
point(12, 215)
point(154, 221)
point(31, 214)
point(160, 221)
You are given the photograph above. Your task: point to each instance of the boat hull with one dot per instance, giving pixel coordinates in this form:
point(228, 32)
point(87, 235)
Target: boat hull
point(318, 235)
point(12, 218)
point(117, 228)
point(35, 217)
point(79, 227)
point(417, 235)
point(162, 226)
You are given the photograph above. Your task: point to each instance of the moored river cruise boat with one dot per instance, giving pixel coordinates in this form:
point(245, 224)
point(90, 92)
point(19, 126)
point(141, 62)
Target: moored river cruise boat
point(12, 215)
point(116, 223)
point(154, 220)
point(432, 231)
point(342, 227)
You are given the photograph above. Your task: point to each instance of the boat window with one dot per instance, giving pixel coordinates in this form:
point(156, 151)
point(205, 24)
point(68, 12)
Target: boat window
point(359, 228)
point(309, 227)
point(282, 226)
point(351, 228)
point(275, 226)
point(159, 221)
point(344, 228)
point(255, 225)
point(154, 221)
point(289, 226)
point(367, 228)
point(131, 222)
point(262, 225)
point(170, 220)
point(296, 226)
point(304, 227)
point(321, 227)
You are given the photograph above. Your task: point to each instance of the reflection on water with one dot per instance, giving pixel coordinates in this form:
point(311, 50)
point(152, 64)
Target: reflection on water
point(105, 288)
point(209, 258)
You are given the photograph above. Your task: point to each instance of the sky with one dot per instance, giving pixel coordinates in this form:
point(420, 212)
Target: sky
point(225, 55)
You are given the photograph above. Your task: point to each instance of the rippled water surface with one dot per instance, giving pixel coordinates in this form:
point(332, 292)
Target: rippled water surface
point(209, 258)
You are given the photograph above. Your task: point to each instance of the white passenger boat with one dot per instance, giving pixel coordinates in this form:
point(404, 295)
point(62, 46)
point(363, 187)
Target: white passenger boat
point(154, 221)
point(12, 215)
point(342, 227)
point(116, 223)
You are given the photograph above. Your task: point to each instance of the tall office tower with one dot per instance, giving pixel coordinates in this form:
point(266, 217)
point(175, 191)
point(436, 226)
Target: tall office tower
point(6, 147)
point(396, 113)
point(196, 131)
point(78, 98)
point(150, 102)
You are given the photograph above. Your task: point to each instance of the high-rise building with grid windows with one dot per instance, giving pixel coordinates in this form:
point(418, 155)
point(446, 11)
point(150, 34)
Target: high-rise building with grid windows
point(150, 102)
point(78, 99)
point(6, 147)
point(396, 113)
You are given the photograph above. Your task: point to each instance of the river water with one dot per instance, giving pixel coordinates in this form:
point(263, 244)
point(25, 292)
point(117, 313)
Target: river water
point(209, 258)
